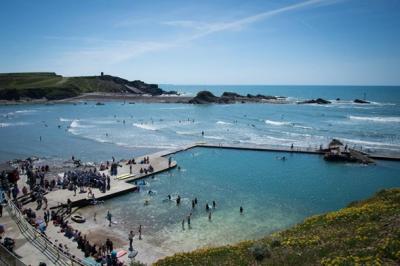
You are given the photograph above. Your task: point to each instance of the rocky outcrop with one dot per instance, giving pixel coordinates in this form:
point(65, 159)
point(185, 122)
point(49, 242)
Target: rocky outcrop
point(315, 101)
point(361, 101)
point(204, 97)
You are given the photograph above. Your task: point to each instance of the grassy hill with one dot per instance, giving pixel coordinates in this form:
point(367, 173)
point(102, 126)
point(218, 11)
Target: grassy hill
point(364, 233)
point(49, 85)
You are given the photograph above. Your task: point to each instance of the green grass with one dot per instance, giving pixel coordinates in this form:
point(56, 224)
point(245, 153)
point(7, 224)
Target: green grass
point(364, 233)
point(16, 86)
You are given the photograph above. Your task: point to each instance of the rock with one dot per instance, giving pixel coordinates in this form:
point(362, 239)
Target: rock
point(228, 94)
point(204, 97)
point(317, 101)
point(361, 101)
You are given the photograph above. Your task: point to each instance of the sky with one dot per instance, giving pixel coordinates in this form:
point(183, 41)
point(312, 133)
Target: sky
point(285, 42)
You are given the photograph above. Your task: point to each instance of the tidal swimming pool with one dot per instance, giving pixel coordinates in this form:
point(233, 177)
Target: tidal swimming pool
point(274, 193)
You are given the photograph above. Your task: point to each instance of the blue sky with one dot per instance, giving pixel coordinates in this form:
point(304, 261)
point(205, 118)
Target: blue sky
point(206, 42)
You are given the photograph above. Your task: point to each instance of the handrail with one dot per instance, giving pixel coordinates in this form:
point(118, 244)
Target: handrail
point(40, 241)
point(7, 258)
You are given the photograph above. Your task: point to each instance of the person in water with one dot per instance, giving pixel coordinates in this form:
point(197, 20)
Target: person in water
point(178, 200)
point(188, 221)
point(193, 204)
point(109, 217)
point(183, 224)
point(241, 210)
point(214, 204)
point(207, 207)
point(140, 232)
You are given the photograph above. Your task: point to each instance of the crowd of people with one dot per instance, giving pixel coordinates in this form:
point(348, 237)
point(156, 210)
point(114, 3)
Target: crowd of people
point(72, 180)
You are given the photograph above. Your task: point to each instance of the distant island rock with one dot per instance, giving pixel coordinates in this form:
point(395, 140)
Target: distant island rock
point(50, 86)
point(361, 101)
point(315, 101)
point(207, 97)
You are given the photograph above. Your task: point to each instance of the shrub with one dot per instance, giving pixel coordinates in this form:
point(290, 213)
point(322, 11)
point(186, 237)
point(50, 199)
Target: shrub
point(259, 251)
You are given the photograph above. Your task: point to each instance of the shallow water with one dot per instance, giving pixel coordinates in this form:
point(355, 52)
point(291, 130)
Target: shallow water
point(274, 194)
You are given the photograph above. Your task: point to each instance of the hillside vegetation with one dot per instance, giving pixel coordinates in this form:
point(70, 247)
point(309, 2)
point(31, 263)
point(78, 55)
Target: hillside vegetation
point(17, 86)
point(364, 233)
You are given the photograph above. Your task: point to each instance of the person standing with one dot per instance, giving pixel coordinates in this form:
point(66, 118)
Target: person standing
point(1, 209)
point(140, 232)
point(209, 216)
point(131, 236)
point(109, 217)
point(183, 224)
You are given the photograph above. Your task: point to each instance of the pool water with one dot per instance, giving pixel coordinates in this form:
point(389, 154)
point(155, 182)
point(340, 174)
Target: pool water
point(274, 193)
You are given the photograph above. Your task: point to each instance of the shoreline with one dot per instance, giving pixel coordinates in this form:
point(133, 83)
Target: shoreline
point(132, 98)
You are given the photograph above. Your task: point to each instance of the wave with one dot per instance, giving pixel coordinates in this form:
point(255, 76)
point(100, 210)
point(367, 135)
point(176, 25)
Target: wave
point(145, 126)
point(193, 133)
point(65, 119)
point(25, 111)
point(14, 124)
point(223, 123)
point(76, 124)
point(380, 119)
point(213, 137)
point(303, 127)
point(372, 143)
point(276, 123)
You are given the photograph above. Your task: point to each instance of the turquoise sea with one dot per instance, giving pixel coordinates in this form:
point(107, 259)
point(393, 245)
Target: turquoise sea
point(274, 193)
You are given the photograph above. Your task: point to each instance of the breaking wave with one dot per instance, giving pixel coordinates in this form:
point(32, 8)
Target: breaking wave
point(14, 124)
point(380, 119)
point(223, 123)
point(145, 126)
point(276, 123)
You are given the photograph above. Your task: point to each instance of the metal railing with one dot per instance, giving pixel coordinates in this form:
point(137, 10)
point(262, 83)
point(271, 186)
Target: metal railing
point(56, 255)
point(7, 258)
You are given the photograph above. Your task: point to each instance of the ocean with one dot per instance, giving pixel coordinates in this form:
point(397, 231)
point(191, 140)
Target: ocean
point(95, 133)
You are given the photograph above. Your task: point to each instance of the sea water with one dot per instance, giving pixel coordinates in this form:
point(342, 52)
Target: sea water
point(97, 132)
point(274, 194)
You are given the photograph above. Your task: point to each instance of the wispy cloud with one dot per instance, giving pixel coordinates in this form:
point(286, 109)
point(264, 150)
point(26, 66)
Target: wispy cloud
point(114, 51)
point(191, 24)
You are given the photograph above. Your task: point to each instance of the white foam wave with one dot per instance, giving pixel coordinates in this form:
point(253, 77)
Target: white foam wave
point(65, 120)
point(304, 127)
point(187, 132)
point(223, 123)
point(370, 143)
point(145, 126)
point(213, 137)
point(276, 123)
point(25, 111)
point(379, 119)
point(76, 124)
point(14, 124)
